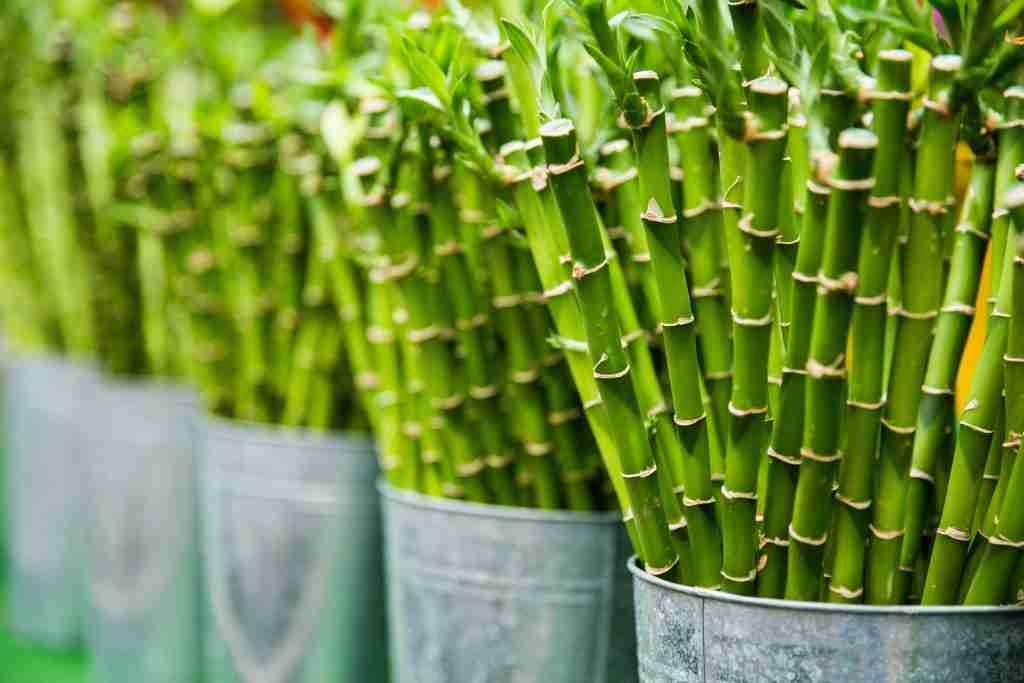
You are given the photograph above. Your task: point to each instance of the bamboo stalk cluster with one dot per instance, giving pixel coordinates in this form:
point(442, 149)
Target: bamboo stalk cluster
point(710, 263)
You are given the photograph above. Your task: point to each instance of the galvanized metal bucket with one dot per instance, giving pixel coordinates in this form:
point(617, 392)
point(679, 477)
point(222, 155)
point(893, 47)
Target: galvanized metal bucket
point(291, 540)
point(44, 398)
point(691, 634)
point(482, 593)
point(141, 552)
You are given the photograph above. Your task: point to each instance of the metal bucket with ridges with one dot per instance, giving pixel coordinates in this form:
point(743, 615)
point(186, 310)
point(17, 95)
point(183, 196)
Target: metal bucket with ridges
point(44, 401)
point(141, 555)
point(689, 634)
point(292, 562)
point(501, 594)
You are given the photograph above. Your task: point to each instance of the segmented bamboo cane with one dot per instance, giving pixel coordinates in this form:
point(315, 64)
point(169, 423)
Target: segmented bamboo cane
point(750, 248)
point(922, 295)
point(935, 413)
point(568, 178)
point(838, 280)
point(865, 389)
point(992, 582)
point(1011, 154)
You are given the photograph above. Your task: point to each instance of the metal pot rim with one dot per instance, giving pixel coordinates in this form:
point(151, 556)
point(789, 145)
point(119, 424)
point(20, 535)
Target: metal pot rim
point(272, 434)
point(420, 500)
point(84, 366)
point(148, 385)
point(827, 607)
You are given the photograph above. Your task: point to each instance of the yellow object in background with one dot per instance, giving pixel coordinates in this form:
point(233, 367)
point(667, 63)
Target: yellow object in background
point(976, 337)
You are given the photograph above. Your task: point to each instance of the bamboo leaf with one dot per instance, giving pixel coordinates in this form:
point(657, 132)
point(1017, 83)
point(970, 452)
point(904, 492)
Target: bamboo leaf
point(1009, 13)
point(426, 71)
point(421, 105)
point(921, 37)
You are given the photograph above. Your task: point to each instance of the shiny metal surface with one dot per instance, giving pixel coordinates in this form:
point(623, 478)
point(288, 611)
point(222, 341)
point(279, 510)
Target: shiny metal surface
point(292, 563)
point(141, 552)
point(689, 634)
point(43, 407)
point(498, 594)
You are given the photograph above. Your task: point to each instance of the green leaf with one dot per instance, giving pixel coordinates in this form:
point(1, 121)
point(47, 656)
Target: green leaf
point(616, 75)
point(921, 37)
point(425, 70)
point(421, 105)
point(1009, 13)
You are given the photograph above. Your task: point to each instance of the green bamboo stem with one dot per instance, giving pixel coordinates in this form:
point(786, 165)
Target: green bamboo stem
point(475, 341)
point(677, 323)
point(922, 296)
point(866, 384)
point(611, 368)
point(703, 222)
point(787, 428)
point(750, 247)
point(992, 582)
point(826, 364)
point(531, 191)
point(1011, 154)
point(935, 413)
point(447, 432)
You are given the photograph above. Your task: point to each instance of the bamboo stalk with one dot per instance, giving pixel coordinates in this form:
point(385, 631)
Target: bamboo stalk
point(611, 368)
point(922, 295)
point(838, 280)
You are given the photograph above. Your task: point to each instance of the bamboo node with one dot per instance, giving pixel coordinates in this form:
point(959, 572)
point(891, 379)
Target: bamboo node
point(471, 468)
point(977, 428)
point(559, 417)
point(688, 421)
point(999, 212)
point(376, 334)
point(933, 208)
point(846, 593)
point(389, 461)
point(915, 315)
point(936, 391)
point(642, 474)
point(483, 393)
point(386, 399)
point(423, 334)
point(449, 402)
point(746, 225)
point(751, 322)
point(969, 229)
point(697, 502)
point(740, 579)
point(527, 376)
point(958, 307)
point(476, 321)
point(786, 370)
point(738, 495)
point(413, 430)
point(956, 534)
point(999, 539)
point(508, 301)
point(627, 516)
point(676, 526)
point(851, 184)
point(592, 403)
point(896, 429)
point(885, 535)
point(747, 412)
point(718, 375)
point(558, 290)
point(809, 454)
point(538, 449)
point(779, 242)
point(654, 214)
point(916, 473)
point(574, 162)
point(498, 462)
point(877, 202)
point(687, 124)
point(658, 408)
point(774, 540)
point(617, 374)
point(641, 257)
point(807, 540)
point(845, 283)
point(866, 405)
point(834, 370)
point(608, 179)
point(807, 279)
point(658, 571)
point(681, 321)
point(631, 337)
point(579, 271)
point(712, 288)
point(877, 300)
point(788, 459)
point(775, 379)
point(855, 504)
point(1007, 358)
point(701, 208)
point(762, 563)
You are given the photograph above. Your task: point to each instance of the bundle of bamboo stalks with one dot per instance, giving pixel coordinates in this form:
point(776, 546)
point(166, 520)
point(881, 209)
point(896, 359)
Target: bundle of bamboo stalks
point(719, 248)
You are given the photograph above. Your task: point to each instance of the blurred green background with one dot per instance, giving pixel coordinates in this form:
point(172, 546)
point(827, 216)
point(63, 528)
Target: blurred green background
point(23, 663)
